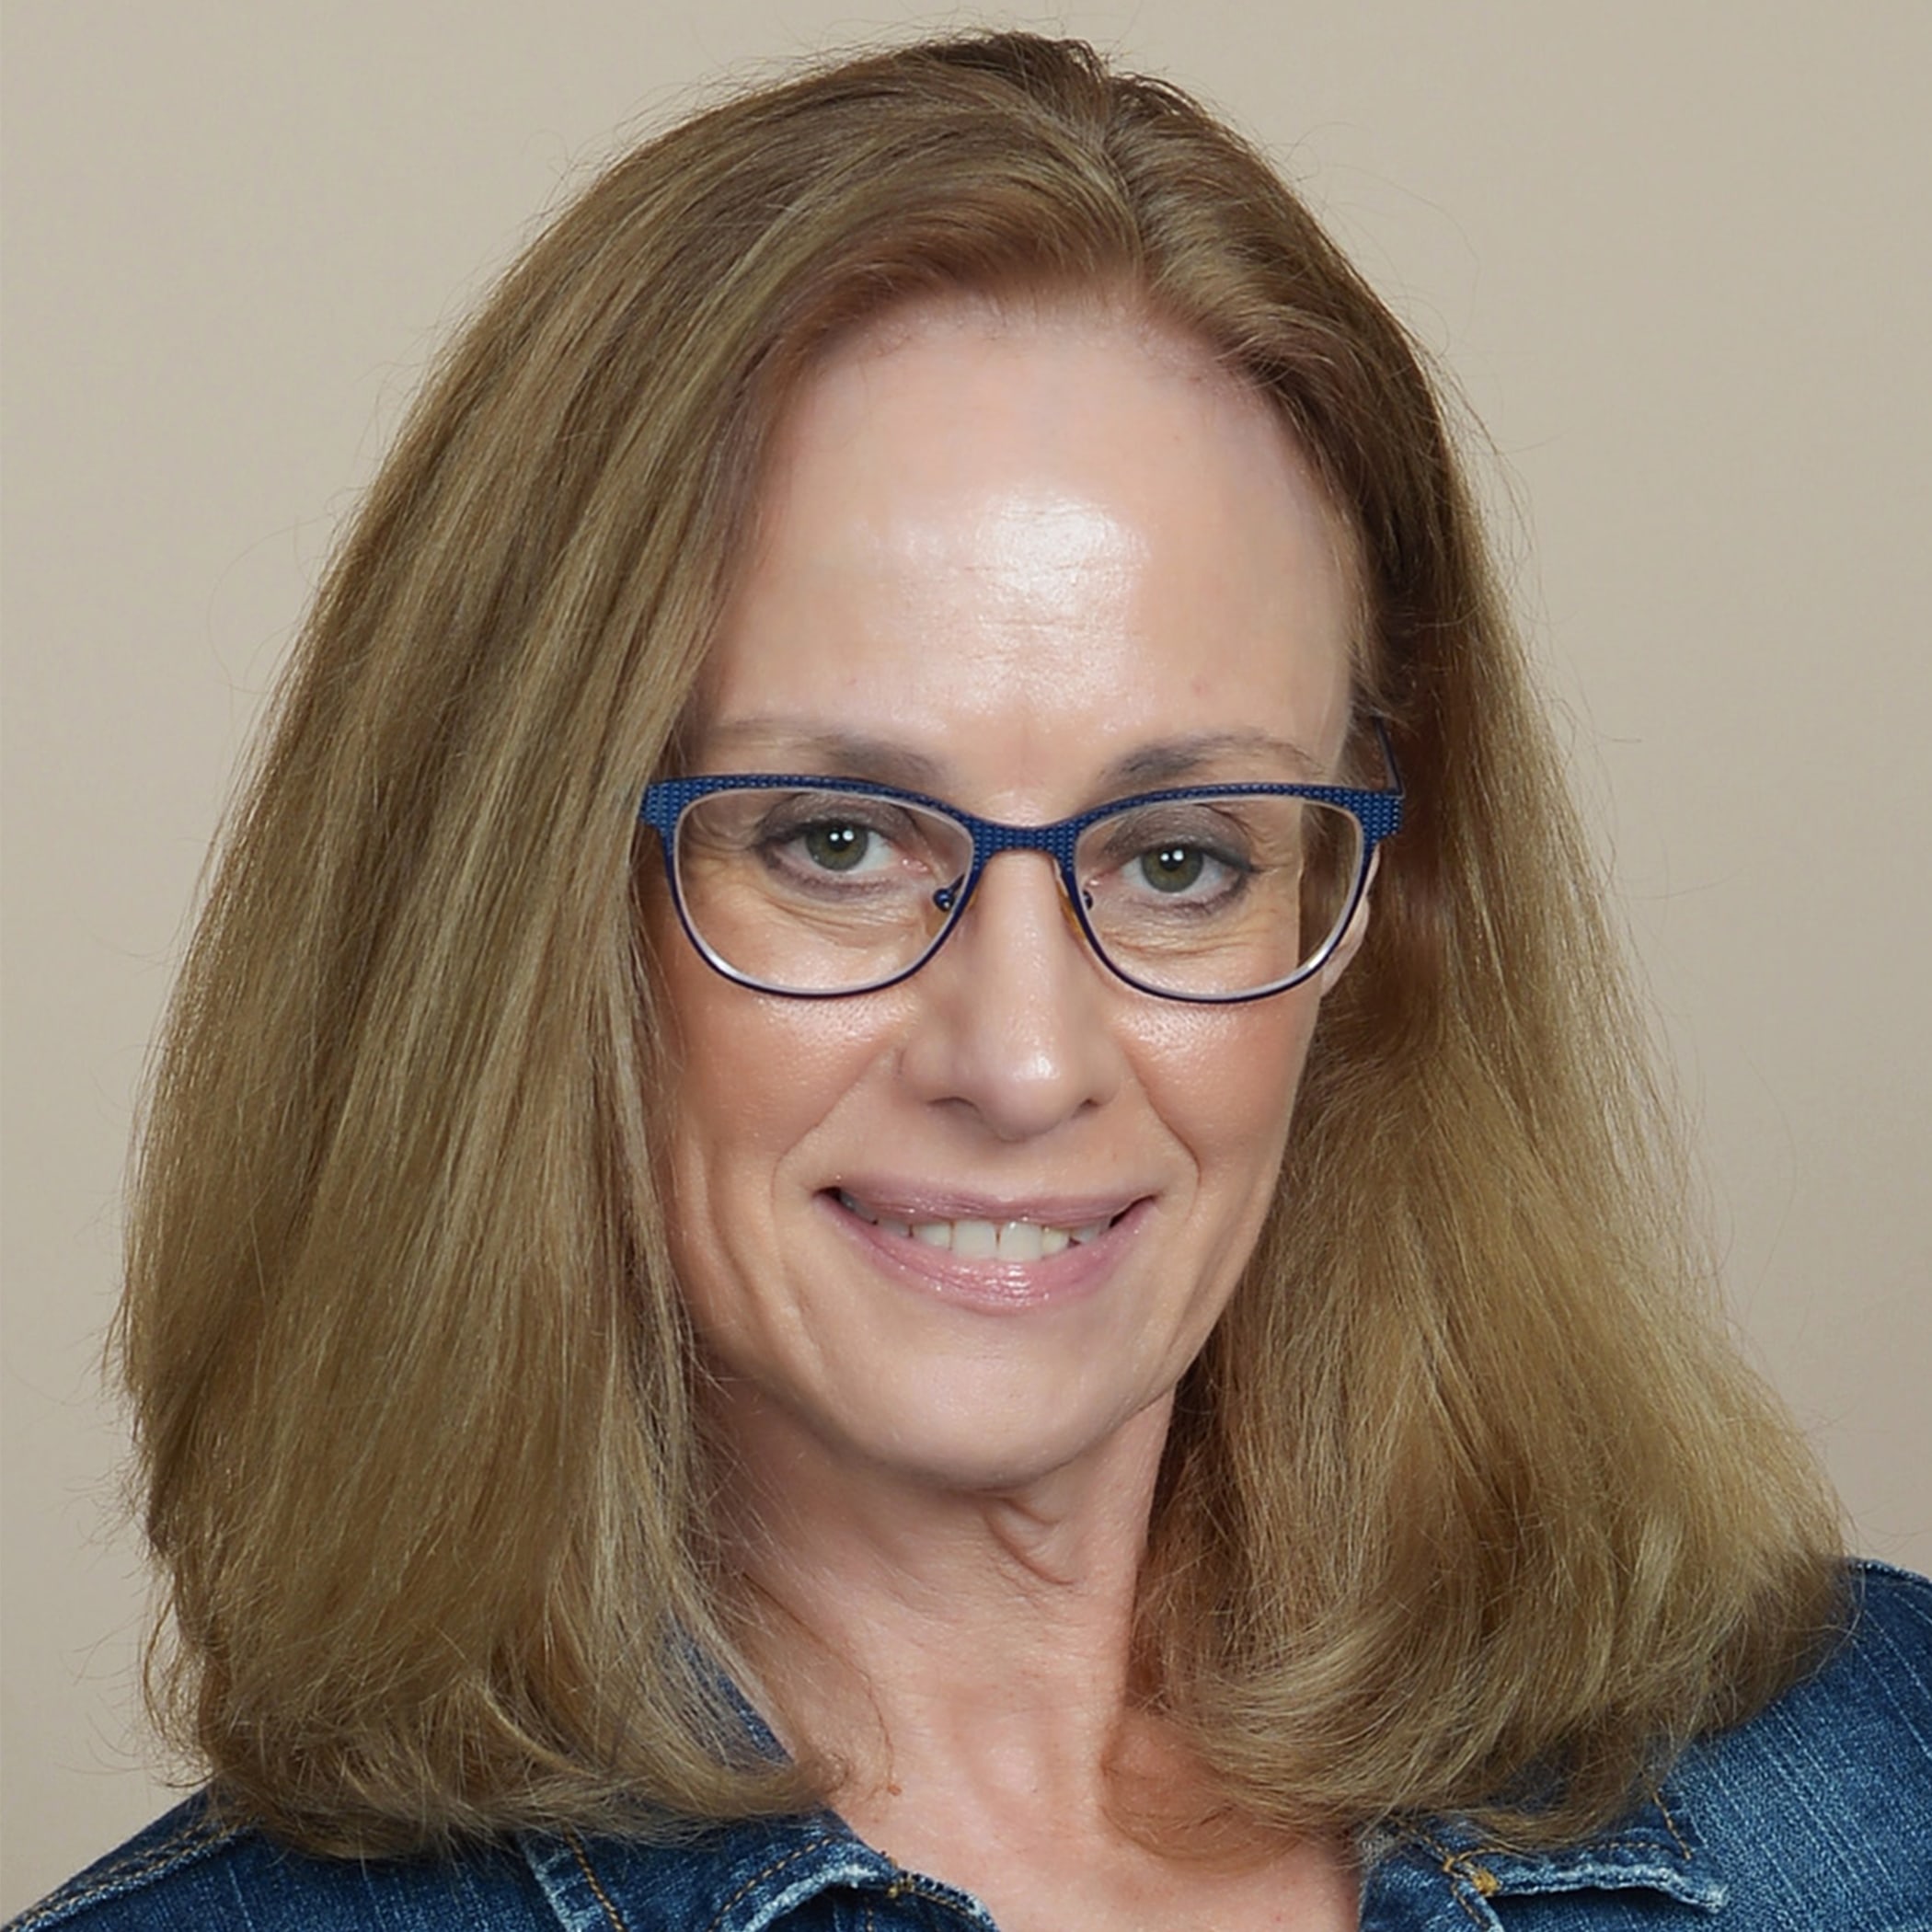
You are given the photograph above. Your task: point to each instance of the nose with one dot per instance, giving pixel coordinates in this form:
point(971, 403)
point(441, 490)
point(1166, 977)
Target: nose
point(1015, 1015)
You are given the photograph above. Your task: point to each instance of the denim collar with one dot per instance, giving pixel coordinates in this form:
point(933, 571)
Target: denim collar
point(1417, 1876)
point(1444, 1872)
point(742, 1877)
point(1434, 1876)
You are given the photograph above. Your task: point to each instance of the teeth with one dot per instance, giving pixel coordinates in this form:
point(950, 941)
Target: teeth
point(974, 1240)
point(1018, 1241)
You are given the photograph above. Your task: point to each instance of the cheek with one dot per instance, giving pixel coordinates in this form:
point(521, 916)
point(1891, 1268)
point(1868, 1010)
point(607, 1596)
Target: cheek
point(1224, 1080)
point(750, 1080)
point(754, 1071)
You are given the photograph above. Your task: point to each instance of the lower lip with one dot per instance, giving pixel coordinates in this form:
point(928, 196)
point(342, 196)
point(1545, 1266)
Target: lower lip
point(994, 1287)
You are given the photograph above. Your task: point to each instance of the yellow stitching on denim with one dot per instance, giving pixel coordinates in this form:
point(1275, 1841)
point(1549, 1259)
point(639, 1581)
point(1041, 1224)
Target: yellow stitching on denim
point(1588, 1846)
point(758, 1878)
point(911, 1885)
point(1502, 1848)
point(1457, 1864)
point(1479, 1880)
point(603, 1898)
point(1436, 1848)
point(131, 1871)
point(1669, 1824)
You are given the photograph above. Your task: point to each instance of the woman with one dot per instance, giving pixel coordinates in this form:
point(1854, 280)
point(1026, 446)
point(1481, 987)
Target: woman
point(900, 1180)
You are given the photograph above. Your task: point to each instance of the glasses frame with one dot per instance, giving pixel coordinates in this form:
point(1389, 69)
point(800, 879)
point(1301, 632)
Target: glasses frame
point(1378, 812)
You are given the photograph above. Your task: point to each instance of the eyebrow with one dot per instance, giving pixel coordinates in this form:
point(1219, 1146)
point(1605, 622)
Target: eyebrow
point(1175, 760)
point(831, 754)
point(855, 754)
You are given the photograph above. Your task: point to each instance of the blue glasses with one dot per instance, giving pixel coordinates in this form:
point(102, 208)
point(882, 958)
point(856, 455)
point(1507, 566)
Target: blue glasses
point(816, 888)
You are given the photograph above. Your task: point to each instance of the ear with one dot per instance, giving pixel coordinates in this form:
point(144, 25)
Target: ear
point(1350, 944)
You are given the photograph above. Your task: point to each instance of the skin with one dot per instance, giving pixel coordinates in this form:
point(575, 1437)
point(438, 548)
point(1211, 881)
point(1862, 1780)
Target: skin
point(1023, 559)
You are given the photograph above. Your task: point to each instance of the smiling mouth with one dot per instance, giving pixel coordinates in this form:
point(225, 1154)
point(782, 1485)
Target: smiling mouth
point(975, 1240)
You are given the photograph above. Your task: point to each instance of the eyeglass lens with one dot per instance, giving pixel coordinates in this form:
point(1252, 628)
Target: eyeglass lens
point(1209, 896)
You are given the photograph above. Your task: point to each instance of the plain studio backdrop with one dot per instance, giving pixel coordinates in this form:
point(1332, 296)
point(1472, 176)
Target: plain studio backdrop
point(1675, 257)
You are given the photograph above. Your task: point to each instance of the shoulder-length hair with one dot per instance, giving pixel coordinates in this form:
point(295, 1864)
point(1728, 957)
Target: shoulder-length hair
point(1466, 1505)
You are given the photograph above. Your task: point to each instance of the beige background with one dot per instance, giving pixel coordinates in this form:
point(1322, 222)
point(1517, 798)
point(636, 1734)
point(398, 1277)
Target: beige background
point(1676, 254)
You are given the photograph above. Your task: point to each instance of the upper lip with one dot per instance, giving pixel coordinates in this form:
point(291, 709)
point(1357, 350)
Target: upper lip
point(916, 1201)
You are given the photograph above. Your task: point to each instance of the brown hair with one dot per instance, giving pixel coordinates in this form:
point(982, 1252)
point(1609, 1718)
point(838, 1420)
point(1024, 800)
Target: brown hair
point(1466, 1505)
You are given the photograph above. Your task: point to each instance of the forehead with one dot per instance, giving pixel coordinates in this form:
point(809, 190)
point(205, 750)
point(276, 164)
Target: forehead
point(1022, 541)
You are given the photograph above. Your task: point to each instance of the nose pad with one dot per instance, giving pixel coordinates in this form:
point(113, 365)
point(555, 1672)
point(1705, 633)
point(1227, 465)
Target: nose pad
point(1071, 912)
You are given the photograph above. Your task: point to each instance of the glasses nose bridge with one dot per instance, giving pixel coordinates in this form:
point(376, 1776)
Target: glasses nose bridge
point(992, 840)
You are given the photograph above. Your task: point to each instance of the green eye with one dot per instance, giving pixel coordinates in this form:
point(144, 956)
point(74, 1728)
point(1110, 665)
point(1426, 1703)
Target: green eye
point(836, 848)
point(1173, 868)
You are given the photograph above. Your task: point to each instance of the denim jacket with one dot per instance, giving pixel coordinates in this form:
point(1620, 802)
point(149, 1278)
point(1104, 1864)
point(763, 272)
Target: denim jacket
point(1814, 1817)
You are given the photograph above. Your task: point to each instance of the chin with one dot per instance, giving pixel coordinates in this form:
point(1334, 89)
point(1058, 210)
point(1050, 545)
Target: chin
point(975, 1441)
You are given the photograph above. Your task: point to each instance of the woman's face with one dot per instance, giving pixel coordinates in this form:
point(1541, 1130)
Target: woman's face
point(1025, 561)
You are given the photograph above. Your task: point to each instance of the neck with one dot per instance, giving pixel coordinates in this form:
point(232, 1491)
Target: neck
point(960, 1658)
point(941, 1641)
